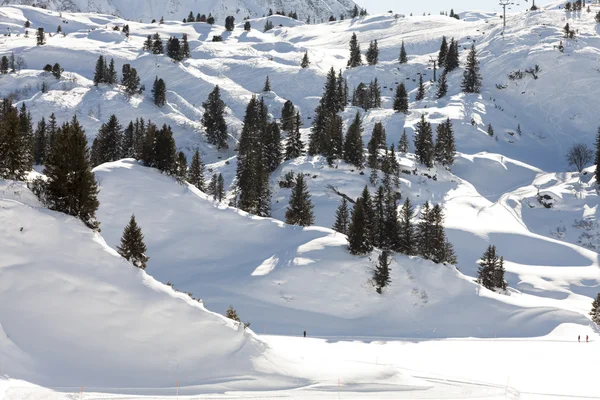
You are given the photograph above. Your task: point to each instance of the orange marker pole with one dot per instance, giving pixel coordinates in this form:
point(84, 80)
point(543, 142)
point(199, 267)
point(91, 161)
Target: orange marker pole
point(177, 385)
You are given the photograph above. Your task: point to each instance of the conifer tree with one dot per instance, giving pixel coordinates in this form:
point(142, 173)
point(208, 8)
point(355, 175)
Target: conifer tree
point(342, 218)
point(174, 49)
point(247, 26)
point(210, 20)
point(148, 43)
point(374, 94)
point(57, 71)
point(373, 53)
point(127, 146)
point(268, 26)
point(50, 133)
point(132, 247)
point(445, 149)
point(378, 219)
point(108, 144)
point(491, 270)
point(595, 313)
point(130, 80)
point(71, 187)
point(196, 172)
point(342, 92)
point(272, 147)
point(401, 99)
point(267, 87)
point(359, 242)
point(403, 143)
point(41, 143)
point(355, 11)
point(305, 61)
point(294, 146)
point(407, 236)
point(424, 233)
point(451, 62)
point(472, 78)
point(443, 52)
point(148, 155)
point(403, 57)
point(100, 74)
point(381, 275)
point(40, 37)
point(212, 186)
point(490, 130)
point(355, 54)
point(288, 117)
point(191, 17)
point(157, 44)
point(16, 158)
point(185, 47)
point(353, 145)
point(159, 92)
point(230, 23)
point(220, 193)
point(424, 149)
point(181, 167)
point(299, 211)
point(442, 85)
point(139, 136)
point(4, 65)
point(213, 119)
point(329, 106)
point(421, 89)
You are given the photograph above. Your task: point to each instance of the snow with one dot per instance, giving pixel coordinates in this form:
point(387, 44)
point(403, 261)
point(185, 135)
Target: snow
point(434, 333)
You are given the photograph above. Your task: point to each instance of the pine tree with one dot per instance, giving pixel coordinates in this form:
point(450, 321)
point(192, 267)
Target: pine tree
point(288, 117)
point(329, 106)
point(132, 246)
point(403, 143)
point(401, 99)
point(299, 211)
point(451, 62)
point(355, 54)
point(472, 78)
point(100, 74)
point(181, 167)
point(108, 144)
point(421, 89)
point(381, 275)
point(305, 61)
point(490, 130)
point(148, 43)
point(353, 145)
point(373, 53)
point(220, 192)
point(359, 242)
point(333, 147)
point(272, 147)
point(268, 26)
point(50, 133)
point(111, 73)
point(41, 143)
point(247, 26)
point(4, 65)
point(196, 172)
point(491, 270)
point(213, 119)
point(159, 92)
point(212, 186)
point(595, 313)
point(425, 233)
point(139, 137)
point(443, 52)
point(210, 20)
point(40, 37)
point(424, 149)
point(355, 11)
point(191, 17)
point(157, 44)
point(267, 87)
point(407, 236)
point(230, 23)
point(374, 94)
point(57, 71)
point(294, 146)
point(130, 80)
point(127, 147)
point(342, 218)
point(391, 223)
point(16, 141)
point(71, 187)
point(445, 149)
point(378, 219)
point(403, 57)
point(342, 92)
point(442, 85)
point(12, 62)
point(174, 49)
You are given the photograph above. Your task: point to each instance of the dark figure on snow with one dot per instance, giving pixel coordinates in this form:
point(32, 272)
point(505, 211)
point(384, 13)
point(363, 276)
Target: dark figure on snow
point(304, 333)
point(579, 338)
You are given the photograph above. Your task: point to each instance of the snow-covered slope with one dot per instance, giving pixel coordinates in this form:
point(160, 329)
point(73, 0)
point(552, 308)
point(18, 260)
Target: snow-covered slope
point(145, 10)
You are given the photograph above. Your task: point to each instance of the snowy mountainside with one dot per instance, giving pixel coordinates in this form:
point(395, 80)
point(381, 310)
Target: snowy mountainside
point(146, 10)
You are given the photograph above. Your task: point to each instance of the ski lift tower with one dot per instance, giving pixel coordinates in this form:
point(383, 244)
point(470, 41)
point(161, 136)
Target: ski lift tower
point(504, 3)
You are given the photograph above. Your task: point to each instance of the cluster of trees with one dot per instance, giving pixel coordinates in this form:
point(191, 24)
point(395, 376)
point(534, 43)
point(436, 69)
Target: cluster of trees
point(12, 64)
point(428, 152)
point(291, 14)
point(359, 12)
point(367, 96)
point(381, 159)
point(595, 313)
point(177, 50)
point(159, 92)
point(16, 141)
point(199, 18)
point(576, 5)
point(229, 23)
point(491, 270)
point(105, 72)
point(56, 70)
point(213, 119)
point(291, 122)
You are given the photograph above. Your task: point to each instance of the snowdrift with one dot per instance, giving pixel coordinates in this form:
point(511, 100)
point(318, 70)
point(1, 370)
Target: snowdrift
point(287, 279)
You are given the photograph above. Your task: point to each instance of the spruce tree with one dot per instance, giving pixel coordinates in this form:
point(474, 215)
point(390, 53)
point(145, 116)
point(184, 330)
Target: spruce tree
point(212, 186)
point(16, 158)
point(41, 143)
point(305, 61)
point(108, 144)
point(443, 52)
point(71, 187)
point(229, 23)
point(185, 47)
point(40, 37)
point(381, 275)
point(272, 147)
point(111, 73)
point(595, 313)
point(288, 117)
point(355, 59)
point(403, 57)
point(267, 87)
point(196, 172)
point(342, 92)
point(127, 147)
point(99, 74)
point(4, 65)
point(157, 45)
point(401, 99)
point(391, 223)
point(220, 192)
point(373, 53)
point(132, 246)
point(353, 145)
point(403, 143)
point(424, 149)
point(294, 146)
point(139, 136)
point(50, 133)
point(359, 242)
point(425, 233)
point(342, 218)
point(445, 149)
point(299, 211)
point(165, 152)
point(181, 167)
point(213, 119)
point(374, 94)
point(421, 89)
point(148, 155)
point(490, 130)
point(174, 49)
point(131, 80)
point(329, 106)
point(210, 20)
point(451, 62)
point(159, 92)
point(378, 219)
point(491, 270)
point(472, 78)
point(407, 236)
point(333, 147)
point(247, 26)
point(148, 43)
point(57, 71)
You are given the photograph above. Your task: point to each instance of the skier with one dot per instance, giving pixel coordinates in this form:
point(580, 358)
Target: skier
point(587, 338)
